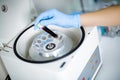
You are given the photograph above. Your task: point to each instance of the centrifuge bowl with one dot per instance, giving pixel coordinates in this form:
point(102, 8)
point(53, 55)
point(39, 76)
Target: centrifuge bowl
point(25, 39)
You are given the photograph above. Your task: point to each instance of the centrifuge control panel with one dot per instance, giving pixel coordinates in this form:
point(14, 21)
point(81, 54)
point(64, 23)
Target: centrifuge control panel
point(91, 67)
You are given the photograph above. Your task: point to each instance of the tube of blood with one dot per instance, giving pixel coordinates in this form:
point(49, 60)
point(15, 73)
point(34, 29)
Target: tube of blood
point(48, 31)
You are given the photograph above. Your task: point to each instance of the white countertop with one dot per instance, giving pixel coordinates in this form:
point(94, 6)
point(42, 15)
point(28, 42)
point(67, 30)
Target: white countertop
point(110, 52)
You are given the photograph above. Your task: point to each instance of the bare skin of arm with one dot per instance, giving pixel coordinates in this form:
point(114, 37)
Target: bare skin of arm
point(105, 17)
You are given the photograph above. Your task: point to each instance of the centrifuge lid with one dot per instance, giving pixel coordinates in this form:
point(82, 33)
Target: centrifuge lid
point(17, 52)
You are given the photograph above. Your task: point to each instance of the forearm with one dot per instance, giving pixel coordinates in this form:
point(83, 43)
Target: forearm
point(105, 17)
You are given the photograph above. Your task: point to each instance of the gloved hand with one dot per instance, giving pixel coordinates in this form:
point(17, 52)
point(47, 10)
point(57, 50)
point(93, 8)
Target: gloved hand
point(54, 17)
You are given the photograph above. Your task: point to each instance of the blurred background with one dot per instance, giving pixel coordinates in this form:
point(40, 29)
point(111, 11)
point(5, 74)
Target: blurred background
point(26, 11)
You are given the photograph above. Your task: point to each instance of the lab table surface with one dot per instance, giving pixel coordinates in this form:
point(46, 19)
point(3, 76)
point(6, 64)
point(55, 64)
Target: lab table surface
point(110, 52)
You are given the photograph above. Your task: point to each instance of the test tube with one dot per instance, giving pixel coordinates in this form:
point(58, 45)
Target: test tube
point(48, 31)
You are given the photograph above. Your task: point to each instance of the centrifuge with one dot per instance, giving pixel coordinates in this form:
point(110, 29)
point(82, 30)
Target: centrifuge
point(30, 54)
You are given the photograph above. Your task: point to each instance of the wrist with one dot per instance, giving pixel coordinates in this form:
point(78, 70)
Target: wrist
point(77, 21)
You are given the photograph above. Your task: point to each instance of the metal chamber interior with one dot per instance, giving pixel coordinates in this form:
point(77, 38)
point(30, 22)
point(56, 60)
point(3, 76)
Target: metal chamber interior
point(25, 39)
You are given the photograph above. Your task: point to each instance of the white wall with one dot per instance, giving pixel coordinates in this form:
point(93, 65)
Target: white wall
point(66, 6)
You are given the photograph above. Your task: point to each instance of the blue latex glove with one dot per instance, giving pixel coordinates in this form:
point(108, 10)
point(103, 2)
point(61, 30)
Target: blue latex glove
point(54, 17)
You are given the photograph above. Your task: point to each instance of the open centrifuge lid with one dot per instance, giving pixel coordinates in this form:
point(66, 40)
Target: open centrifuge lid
point(45, 61)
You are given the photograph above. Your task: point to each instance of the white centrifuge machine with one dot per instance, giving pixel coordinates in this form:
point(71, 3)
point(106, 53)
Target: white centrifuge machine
point(29, 54)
